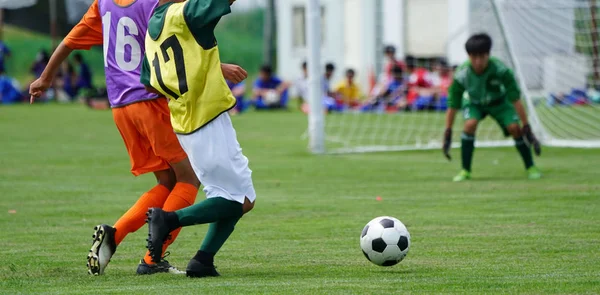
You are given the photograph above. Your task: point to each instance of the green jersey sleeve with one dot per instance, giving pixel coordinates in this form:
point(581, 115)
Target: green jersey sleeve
point(145, 75)
point(513, 92)
point(202, 17)
point(455, 95)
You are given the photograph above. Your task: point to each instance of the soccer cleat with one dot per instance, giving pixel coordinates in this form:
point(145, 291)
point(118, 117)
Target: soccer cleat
point(196, 269)
point(462, 176)
point(162, 267)
point(103, 248)
point(534, 173)
point(158, 231)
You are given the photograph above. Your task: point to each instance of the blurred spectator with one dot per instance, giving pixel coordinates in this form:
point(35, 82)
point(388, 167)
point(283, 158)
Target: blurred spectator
point(4, 54)
point(392, 62)
point(64, 83)
point(238, 90)
point(347, 92)
point(69, 78)
point(301, 86)
point(391, 98)
point(9, 92)
point(418, 81)
point(41, 61)
point(329, 71)
point(269, 91)
point(84, 75)
point(328, 95)
point(441, 79)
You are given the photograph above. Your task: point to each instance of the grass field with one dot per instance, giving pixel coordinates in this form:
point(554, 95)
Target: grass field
point(64, 169)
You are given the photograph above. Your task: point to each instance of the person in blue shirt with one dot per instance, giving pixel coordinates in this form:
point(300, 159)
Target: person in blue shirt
point(40, 63)
point(8, 92)
point(238, 90)
point(84, 76)
point(4, 54)
point(269, 91)
point(392, 98)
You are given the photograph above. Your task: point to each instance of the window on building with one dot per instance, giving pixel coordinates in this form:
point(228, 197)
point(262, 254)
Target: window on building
point(299, 26)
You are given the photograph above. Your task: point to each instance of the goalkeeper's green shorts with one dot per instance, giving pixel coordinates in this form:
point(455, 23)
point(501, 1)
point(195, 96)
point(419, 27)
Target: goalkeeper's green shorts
point(504, 113)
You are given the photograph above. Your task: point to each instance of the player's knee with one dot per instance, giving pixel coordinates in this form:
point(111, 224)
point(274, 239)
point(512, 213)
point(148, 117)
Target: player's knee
point(185, 173)
point(514, 130)
point(471, 127)
point(248, 206)
point(166, 178)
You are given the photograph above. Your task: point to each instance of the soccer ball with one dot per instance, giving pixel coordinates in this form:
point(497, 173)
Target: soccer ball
point(272, 97)
point(385, 241)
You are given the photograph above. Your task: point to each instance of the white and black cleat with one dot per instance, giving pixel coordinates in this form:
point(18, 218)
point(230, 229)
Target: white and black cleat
point(103, 248)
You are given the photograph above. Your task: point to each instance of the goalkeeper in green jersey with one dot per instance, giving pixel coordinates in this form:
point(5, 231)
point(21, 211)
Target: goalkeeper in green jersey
point(485, 86)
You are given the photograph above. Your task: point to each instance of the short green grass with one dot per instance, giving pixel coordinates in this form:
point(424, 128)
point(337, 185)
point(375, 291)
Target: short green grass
point(64, 169)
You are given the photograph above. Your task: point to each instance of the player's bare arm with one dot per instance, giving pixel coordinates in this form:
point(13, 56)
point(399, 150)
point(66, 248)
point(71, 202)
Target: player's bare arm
point(39, 86)
point(521, 112)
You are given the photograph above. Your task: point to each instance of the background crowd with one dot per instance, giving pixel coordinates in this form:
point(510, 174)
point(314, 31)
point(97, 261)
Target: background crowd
point(404, 86)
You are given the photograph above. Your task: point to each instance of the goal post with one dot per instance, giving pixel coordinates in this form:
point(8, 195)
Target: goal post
point(552, 46)
point(316, 117)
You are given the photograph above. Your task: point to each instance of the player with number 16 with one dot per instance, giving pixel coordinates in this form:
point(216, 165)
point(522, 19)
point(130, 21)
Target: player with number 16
point(141, 117)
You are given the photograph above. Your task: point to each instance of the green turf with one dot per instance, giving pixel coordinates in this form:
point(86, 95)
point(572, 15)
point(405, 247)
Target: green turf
point(64, 169)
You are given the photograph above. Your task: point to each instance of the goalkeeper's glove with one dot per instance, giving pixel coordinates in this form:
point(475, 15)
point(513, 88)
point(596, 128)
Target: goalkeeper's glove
point(532, 140)
point(447, 143)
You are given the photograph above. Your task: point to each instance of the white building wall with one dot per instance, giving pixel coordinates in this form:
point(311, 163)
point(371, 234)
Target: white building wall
point(458, 31)
point(394, 18)
point(426, 27)
point(290, 58)
point(353, 38)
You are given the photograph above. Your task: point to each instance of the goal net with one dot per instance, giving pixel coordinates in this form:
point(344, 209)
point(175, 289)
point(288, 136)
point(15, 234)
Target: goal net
point(553, 47)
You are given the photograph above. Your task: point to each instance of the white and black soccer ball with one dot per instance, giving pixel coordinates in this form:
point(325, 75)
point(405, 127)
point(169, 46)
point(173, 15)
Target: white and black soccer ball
point(271, 97)
point(385, 241)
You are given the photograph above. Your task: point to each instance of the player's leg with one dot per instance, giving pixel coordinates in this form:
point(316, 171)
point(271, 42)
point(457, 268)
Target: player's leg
point(507, 118)
point(202, 264)
point(472, 115)
point(106, 238)
point(218, 161)
point(153, 123)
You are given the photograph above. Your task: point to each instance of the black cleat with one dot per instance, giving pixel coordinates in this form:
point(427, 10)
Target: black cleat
point(195, 269)
point(158, 232)
point(161, 267)
point(103, 248)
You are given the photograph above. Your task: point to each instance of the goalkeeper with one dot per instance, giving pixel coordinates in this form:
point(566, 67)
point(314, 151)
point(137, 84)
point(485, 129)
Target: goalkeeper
point(485, 86)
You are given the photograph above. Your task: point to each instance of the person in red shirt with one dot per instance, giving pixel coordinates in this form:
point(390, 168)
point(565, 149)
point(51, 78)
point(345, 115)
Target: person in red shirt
point(418, 80)
point(392, 62)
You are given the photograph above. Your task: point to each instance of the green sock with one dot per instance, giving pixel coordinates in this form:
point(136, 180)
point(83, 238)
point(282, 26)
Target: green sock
point(218, 233)
point(525, 152)
point(209, 211)
point(467, 147)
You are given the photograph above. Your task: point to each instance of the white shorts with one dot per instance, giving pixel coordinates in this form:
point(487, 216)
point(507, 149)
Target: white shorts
point(217, 159)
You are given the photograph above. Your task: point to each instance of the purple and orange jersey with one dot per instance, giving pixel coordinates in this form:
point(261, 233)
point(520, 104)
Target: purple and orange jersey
point(120, 27)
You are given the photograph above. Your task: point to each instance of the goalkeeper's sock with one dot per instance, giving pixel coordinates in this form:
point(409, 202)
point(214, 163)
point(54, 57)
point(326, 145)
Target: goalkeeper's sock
point(524, 151)
point(467, 148)
point(208, 211)
point(218, 233)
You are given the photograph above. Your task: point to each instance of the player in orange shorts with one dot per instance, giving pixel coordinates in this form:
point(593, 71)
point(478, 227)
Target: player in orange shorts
point(143, 119)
